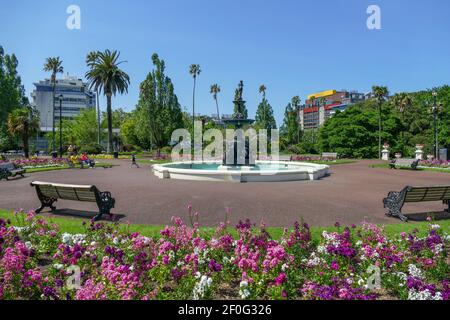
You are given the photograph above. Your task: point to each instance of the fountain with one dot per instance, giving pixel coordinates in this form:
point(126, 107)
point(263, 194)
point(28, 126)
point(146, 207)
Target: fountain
point(241, 167)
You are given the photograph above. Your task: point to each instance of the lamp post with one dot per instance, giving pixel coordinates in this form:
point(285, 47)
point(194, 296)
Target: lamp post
point(60, 126)
point(435, 110)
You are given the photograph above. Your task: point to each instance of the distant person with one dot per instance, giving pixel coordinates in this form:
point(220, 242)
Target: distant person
point(133, 161)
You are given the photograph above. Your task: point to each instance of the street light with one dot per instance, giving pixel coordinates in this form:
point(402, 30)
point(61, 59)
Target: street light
point(60, 126)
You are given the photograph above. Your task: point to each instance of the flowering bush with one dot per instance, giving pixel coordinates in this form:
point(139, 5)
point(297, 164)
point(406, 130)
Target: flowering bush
point(312, 158)
point(38, 162)
point(37, 261)
point(435, 163)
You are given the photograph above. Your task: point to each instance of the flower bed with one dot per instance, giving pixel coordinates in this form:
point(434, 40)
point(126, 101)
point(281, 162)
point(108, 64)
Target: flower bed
point(312, 158)
point(36, 262)
point(39, 162)
point(435, 164)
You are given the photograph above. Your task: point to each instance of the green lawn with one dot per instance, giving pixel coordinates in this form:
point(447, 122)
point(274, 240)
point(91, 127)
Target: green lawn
point(99, 165)
point(74, 225)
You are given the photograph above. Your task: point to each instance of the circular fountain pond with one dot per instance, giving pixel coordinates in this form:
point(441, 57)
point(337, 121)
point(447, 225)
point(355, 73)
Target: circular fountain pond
point(263, 171)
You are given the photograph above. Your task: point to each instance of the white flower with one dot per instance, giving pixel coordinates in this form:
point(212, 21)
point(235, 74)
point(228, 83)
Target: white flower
point(116, 241)
point(243, 284)
point(414, 294)
point(67, 238)
point(244, 294)
point(284, 267)
point(28, 245)
point(435, 226)
point(415, 272)
point(201, 287)
point(58, 266)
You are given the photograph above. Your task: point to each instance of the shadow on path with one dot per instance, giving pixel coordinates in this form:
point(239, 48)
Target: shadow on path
point(84, 214)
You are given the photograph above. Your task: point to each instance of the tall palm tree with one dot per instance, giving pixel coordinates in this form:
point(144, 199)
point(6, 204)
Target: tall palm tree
point(215, 89)
point(53, 65)
point(91, 58)
point(262, 89)
point(194, 71)
point(380, 94)
point(105, 75)
point(23, 122)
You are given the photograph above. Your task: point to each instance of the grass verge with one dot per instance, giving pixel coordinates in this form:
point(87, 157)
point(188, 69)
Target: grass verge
point(386, 166)
point(74, 225)
point(65, 167)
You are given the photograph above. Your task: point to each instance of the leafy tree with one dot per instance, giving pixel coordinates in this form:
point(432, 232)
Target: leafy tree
point(23, 122)
point(289, 129)
point(53, 65)
point(12, 96)
point(105, 75)
point(264, 113)
point(353, 133)
point(158, 112)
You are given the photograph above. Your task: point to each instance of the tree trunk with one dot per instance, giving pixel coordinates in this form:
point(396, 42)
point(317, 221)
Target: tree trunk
point(26, 147)
point(110, 134)
point(193, 120)
point(53, 114)
point(379, 132)
point(217, 107)
point(98, 120)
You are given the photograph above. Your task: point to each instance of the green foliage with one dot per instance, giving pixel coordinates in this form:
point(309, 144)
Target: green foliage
point(92, 148)
point(290, 130)
point(22, 123)
point(158, 112)
point(106, 76)
point(12, 96)
point(354, 132)
point(264, 116)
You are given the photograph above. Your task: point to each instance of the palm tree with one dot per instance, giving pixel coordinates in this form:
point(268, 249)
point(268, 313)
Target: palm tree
point(53, 65)
point(215, 89)
point(91, 58)
point(105, 75)
point(262, 89)
point(194, 71)
point(380, 94)
point(402, 102)
point(23, 122)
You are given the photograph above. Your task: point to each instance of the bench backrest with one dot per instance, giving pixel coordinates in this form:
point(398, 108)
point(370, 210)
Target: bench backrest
point(406, 162)
point(67, 192)
point(332, 155)
point(419, 194)
point(8, 166)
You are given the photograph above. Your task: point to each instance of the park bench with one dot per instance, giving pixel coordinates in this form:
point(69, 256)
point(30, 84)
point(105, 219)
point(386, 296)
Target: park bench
point(396, 200)
point(329, 155)
point(48, 193)
point(9, 169)
point(405, 163)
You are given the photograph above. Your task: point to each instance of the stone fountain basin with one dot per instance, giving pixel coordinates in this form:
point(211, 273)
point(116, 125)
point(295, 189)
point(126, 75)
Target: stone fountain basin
point(264, 171)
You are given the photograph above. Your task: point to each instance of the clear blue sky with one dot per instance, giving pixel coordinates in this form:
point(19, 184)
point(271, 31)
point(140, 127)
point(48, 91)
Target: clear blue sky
point(293, 47)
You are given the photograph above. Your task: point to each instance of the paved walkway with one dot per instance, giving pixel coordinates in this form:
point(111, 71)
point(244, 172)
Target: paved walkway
point(353, 193)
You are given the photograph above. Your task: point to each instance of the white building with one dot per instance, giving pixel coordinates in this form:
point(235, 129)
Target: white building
point(73, 95)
